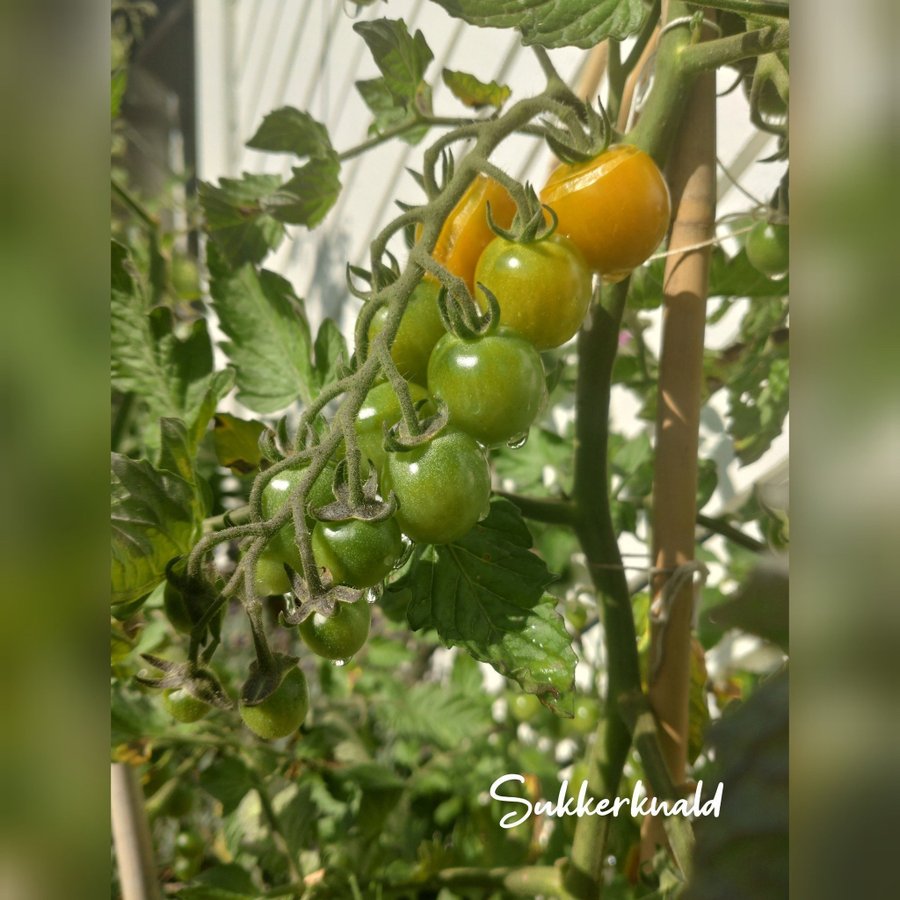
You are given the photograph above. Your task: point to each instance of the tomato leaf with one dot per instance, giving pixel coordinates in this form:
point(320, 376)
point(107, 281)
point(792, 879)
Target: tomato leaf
point(156, 515)
point(288, 130)
point(236, 443)
point(331, 352)
point(402, 58)
point(474, 93)
point(235, 219)
point(270, 342)
point(485, 593)
point(170, 374)
point(554, 23)
point(228, 779)
point(306, 198)
point(224, 882)
point(389, 111)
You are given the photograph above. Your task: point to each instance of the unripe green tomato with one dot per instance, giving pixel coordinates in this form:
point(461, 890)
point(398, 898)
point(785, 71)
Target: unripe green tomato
point(494, 385)
point(419, 331)
point(381, 407)
point(584, 719)
point(283, 546)
point(270, 577)
point(338, 636)
point(283, 711)
point(525, 707)
point(176, 609)
point(186, 867)
point(768, 248)
point(189, 843)
point(183, 707)
point(443, 487)
point(359, 554)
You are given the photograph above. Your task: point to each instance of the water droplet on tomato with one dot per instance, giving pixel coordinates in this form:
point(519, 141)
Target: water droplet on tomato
point(340, 663)
point(404, 553)
point(373, 594)
point(517, 441)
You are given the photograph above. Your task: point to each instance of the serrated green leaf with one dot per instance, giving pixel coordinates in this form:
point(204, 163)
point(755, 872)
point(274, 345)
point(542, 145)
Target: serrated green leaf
point(288, 130)
point(236, 443)
point(331, 352)
point(402, 58)
point(485, 593)
point(155, 516)
point(134, 716)
point(474, 93)
point(224, 882)
point(388, 111)
point(228, 780)
point(170, 374)
point(306, 198)
point(235, 219)
point(270, 343)
point(554, 23)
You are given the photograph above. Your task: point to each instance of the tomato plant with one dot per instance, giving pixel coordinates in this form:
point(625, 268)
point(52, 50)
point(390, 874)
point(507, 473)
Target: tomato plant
point(283, 711)
point(398, 381)
point(338, 636)
point(543, 287)
point(493, 385)
point(615, 208)
point(357, 553)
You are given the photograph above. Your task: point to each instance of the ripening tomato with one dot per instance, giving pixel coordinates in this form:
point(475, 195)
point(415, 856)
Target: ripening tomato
point(493, 385)
point(270, 577)
point(466, 231)
point(420, 329)
point(543, 287)
point(614, 207)
point(443, 487)
point(283, 711)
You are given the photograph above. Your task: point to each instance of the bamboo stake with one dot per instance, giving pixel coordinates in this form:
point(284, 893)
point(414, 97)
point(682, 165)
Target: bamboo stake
point(131, 836)
point(692, 178)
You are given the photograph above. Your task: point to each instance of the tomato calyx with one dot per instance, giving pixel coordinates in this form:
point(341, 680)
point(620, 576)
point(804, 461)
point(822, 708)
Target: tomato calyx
point(399, 438)
point(577, 145)
point(530, 222)
point(322, 598)
point(198, 682)
point(265, 679)
point(466, 320)
point(369, 507)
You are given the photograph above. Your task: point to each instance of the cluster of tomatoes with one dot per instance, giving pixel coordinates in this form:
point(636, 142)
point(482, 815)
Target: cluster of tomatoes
point(611, 213)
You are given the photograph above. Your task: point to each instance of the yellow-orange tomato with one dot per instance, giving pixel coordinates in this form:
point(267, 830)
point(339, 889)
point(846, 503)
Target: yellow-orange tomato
point(615, 208)
point(466, 232)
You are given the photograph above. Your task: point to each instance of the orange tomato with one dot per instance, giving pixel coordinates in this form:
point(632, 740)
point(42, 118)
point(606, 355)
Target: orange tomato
point(466, 232)
point(615, 208)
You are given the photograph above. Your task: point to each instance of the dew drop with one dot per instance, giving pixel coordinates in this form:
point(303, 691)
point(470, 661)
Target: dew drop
point(373, 594)
point(405, 553)
point(340, 663)
point(517, 441)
